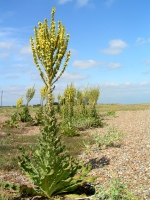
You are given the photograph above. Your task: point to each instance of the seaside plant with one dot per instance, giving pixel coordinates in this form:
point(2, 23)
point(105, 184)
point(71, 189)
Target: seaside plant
point(108, 140)
point(69, 95)
point(13, 122)
point(19, 102)
point(117, 190)
point(67, 126)
point(30, 94)
point(39, 113)
point(48, 166)
point(24, 114)
point(43, 93)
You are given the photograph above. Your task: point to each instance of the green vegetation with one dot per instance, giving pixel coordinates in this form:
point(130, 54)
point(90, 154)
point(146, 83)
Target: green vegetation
point(103, 108)
point(109, 139)
point(111, 113)
point(75, 145)
point(52, 170)
point(49, 158)
point(12, 122)
point(117, 190)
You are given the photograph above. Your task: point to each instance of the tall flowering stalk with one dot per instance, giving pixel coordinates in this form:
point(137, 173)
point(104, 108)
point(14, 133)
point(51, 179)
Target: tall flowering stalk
point(49, 47)
point(43, 93)
point(49, 167)
point(29, 94)
point(69, 95)
point(19, 102)
point(93, 98)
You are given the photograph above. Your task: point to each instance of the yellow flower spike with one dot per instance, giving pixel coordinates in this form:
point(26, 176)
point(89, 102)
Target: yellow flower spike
point(46, 42)
point(19, 102)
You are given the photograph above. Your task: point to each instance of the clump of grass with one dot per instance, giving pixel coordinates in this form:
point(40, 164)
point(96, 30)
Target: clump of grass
point(117, 190)
point(111, 113)
point(109, 139)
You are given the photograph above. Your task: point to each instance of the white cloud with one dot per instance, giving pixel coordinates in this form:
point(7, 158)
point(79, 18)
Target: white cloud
point(143, 83)
point(85, 64)
point(110, 84)
point(67, 76)
point(141, 41)
point(116, 47)
point(82, 2)
point(126, 93)
point(63, 1)
point(4, 55)
point(6, 45)
point(72, 76)
point(25, 50)
point(114, 65)
point(110, 92)
point(127, 83)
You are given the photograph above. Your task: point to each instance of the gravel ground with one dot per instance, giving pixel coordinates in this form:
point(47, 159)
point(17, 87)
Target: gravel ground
point(130, 161)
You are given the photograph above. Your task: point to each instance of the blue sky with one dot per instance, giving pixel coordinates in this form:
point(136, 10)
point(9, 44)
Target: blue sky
point(109, 42)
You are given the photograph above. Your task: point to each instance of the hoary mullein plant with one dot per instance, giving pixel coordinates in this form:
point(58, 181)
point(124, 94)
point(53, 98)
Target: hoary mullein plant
point(39, 113)
point(85, 109)
point(58, 106)
point(24, 114)
point(86, 100)
point(13, 122)
point(49, 47)
point(19, 102)
point(93, 98)
point(43, 93)
point(69, 95)
point(48, 166)
point(30, 94)
point(67, 126)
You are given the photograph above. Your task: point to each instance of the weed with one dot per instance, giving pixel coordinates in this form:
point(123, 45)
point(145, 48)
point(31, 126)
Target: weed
point(67, 128)
point(7, 190)
point(109, 138)
point(11, 123)
point(8, 185)
point(24, 115)
point(87, 146)
point(118, 190)
point(111, 113)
